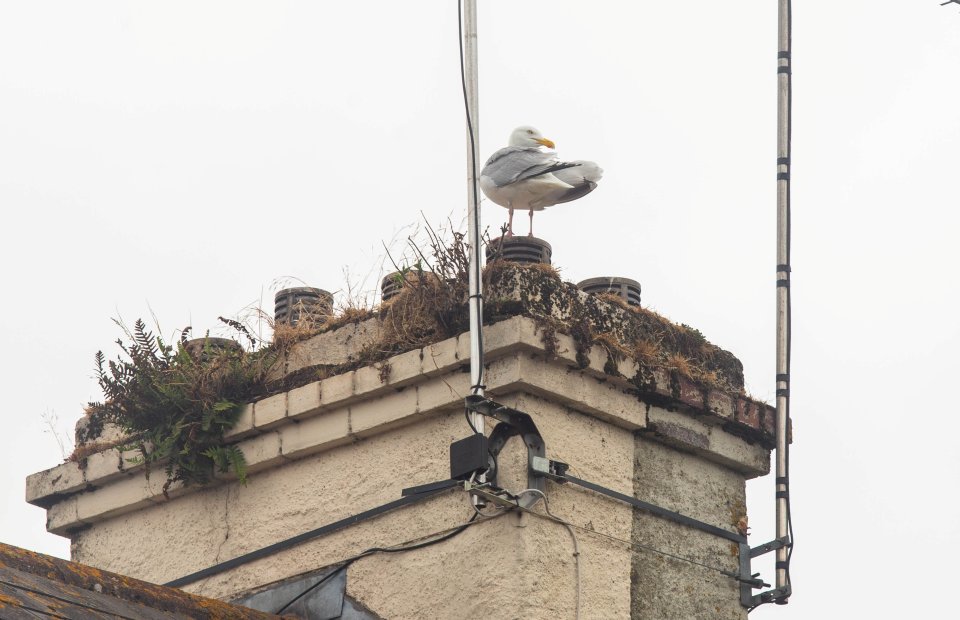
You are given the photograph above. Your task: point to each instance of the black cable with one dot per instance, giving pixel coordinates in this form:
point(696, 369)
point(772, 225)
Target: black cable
point(466, 412)
point(427, 543)
point(476, 202)
point(325, 578)
point(478, 274)
point(346, 563)
point(303, 537)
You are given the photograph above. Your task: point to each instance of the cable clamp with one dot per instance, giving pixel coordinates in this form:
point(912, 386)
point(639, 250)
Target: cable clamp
point(783, 283)
point(784, 268)
point(783, 495)
point(477, 296)
point(783, 176)
point(781, 565)
point(783, 377)
point(753, 581)
point(783, 392)
point(782, 480)
point(475, 388)
point(783, 161)
point(783, 55)
point(783, 70)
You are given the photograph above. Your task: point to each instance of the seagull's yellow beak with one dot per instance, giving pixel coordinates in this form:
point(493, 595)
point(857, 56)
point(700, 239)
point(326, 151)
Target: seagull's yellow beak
point(547, 143)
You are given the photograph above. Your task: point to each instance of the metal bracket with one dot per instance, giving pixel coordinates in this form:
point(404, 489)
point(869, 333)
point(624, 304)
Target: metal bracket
point(749, 581)
point(513, 423)
point(773, 545)
point(490, 497)
point(555, 470)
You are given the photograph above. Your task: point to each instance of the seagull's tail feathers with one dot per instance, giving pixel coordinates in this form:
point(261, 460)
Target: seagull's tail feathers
point(582, 179)
point(589, 170)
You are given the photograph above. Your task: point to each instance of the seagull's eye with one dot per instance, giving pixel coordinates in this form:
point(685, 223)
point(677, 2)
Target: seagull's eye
point(530, 131)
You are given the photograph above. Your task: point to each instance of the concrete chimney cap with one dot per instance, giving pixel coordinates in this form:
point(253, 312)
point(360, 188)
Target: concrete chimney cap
point(627, 288)
point(290, 303)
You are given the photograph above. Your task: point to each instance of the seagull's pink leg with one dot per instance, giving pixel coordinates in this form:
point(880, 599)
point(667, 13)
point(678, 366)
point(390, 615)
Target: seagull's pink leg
point(530, 234)
point(510, 223)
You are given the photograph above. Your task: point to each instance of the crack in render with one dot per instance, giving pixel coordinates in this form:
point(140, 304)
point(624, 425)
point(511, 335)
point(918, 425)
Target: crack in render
point(226, 521)
point(201, 586)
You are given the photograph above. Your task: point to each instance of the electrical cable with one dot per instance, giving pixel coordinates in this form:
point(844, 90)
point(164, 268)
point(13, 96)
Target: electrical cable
point(549, 515)
point(466, 412)
point(637, 545)
point(476, 204)
point(474, 243)
point(323, 530)
point(323, 580)
point(573, 535)
point(629, 543)
point(442, 536)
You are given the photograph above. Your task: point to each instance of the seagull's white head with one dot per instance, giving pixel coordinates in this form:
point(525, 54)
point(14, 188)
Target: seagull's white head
point(529, 136)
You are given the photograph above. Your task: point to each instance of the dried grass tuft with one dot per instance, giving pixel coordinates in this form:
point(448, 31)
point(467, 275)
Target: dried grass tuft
point(612, 345)
point(681, 364)
point(432, 301)
point(708, 377)
point(346, 316)
point(646, 351)
point(691, 370)
point(613, 298)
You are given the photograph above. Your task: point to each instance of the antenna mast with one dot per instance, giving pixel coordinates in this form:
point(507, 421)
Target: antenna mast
point(784, 97)
point(470, 87)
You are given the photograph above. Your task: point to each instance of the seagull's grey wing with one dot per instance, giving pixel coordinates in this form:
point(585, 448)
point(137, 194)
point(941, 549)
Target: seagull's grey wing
point(582, 178)
point(517, 163)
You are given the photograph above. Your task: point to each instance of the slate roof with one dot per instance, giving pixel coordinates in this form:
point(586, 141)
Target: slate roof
point(34, 585)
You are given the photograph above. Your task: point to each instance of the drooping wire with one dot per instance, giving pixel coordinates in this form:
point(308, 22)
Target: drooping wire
point(475, 192)
point(323, 580)
point(442, 536)
point(573, 535)
point(630, 543)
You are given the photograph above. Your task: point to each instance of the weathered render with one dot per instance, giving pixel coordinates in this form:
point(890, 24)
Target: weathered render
point(349, 442)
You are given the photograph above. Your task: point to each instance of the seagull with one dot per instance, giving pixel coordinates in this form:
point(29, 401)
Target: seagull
point(524, 176)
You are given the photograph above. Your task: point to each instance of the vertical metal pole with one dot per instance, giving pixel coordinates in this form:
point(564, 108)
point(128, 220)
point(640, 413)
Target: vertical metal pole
point(783, 284)
point(473, 206)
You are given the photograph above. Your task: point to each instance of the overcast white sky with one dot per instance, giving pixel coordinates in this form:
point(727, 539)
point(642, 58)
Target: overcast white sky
point(183, 156)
